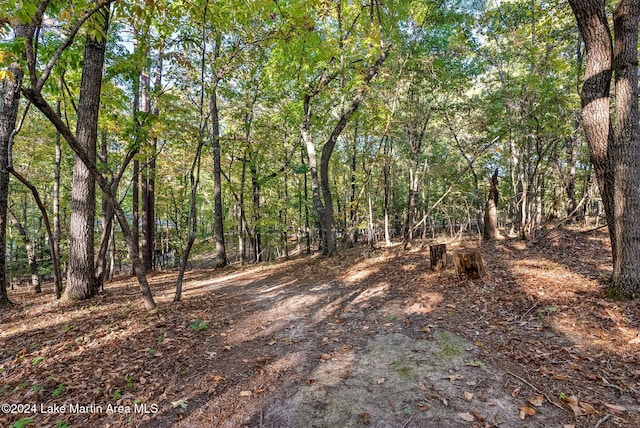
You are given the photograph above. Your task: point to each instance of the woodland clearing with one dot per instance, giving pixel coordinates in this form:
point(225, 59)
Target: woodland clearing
point(366, 338)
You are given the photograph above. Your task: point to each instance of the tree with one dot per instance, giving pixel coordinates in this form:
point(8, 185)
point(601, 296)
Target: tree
point(491, 231)
point(9, 104)
point(614, 149)
point(81, 281)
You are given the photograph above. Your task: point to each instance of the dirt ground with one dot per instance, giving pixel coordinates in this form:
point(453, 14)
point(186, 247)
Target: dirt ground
point(366, 338)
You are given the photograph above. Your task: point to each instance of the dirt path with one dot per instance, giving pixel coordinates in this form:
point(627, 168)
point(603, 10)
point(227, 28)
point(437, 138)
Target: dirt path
point(362, 339)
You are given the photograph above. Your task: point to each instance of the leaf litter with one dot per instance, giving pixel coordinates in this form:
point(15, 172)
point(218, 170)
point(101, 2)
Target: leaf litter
point(370, 338)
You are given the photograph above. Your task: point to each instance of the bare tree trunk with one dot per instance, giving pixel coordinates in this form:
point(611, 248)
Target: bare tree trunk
point(81, 281)
point(192, 227)
point(491, 210)
point(218, 217)
point(614, 155)
point(241, 213)
point(626, 152)
point(9, 105)
point(31, 254)
point(34, 94)
point(56, 210)
point(107, 225)
point(313, 170)
point(387, 184)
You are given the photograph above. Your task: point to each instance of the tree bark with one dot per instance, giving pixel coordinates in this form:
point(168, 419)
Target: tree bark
point(218, 216)
point(491, 210)
point(614, 154)
point(9, 104)
point(31, 254)
point(626, 152)
point(596, 122)
point(56, 208)
point(313, 170)
point(328, 147)
point(81, 281)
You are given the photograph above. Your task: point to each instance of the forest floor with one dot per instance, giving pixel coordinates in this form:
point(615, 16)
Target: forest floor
point(366, 338)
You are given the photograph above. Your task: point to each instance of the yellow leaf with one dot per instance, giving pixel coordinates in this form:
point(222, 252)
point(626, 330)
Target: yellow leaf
point(6, 74)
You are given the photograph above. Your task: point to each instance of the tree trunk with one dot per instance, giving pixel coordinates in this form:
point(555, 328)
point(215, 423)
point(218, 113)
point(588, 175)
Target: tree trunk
point(56, 207)
point(31, 254)
point(8, 114)
point(35, 96)
point(387, 185)
point(626, 152)
point(107, 225)
point(255, 192)
point(596, 122)
point(614, 155)
point(218, 217)
point(313, 170)
point(491, 210)
point(146, 181)
point(241, 213)
point(81, 281)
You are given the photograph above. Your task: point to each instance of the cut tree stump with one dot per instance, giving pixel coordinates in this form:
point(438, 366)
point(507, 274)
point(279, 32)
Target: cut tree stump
point(469, 264)
point(438, 256)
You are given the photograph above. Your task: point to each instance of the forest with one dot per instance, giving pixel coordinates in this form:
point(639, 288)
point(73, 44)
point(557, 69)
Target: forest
point(216, 173)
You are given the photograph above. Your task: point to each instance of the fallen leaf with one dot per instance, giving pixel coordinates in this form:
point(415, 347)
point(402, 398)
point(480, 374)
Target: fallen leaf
point(217, 378)
point(423, 407)
point(246, 393)
point(536, 400)
point(380, 381)
point(469, 395)
point(616, 407)
point(180, 403)
point(454, 377)
point(421, 387)
point(515, 392)
point(526, 411)
point(426, 329)
point(467, 417)
point(568, 426)
point(573, 402)
point(366, 418)
point(588, 408)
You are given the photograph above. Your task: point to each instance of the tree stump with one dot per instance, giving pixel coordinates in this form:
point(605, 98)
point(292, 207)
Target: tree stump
point(469, 264)
point(438, 256)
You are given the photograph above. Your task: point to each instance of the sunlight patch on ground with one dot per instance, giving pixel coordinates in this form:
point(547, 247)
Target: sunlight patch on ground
point(364, 297)
point(330, 308)
point(277, 318)
point(425, 304)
